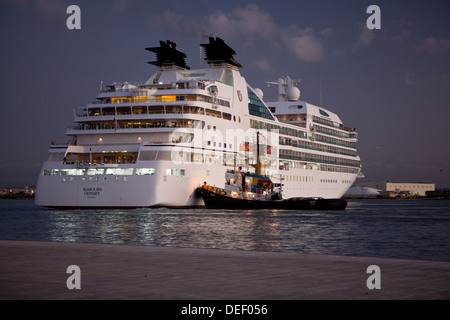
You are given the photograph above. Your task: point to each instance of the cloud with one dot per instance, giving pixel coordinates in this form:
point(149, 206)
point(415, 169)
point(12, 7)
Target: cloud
point(303, 44)
point(434, 46)
point(249, 23)
point(403, 28)
point(120, 6)
point(366, 37)
point(327, 32)
point(264, 66)
point(410, 79)
point(48, 10)
point(18, 4)
point(253, 22)
point(172, 21)
point(52, 9)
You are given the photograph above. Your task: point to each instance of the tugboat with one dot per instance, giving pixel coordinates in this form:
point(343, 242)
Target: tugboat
point(250, 191)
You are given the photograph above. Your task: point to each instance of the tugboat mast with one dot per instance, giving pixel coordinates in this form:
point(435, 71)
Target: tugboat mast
point(259, 167)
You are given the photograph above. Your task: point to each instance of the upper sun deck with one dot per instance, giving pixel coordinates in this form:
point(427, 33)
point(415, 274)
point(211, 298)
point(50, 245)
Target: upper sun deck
point(318, 119)
point(206, 85)
point(144, 92)
point(176, 82)
point(301, 107)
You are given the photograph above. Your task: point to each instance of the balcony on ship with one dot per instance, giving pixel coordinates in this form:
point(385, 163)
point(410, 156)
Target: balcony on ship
point(126, 126)
point(139, 111)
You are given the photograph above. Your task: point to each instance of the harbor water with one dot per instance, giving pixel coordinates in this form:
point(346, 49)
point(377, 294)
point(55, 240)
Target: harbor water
point(406, 229)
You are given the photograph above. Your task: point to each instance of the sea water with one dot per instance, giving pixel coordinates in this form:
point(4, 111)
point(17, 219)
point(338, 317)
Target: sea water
point(408, 229)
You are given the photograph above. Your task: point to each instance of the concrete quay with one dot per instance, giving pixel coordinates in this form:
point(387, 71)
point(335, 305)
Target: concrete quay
point(38, 270)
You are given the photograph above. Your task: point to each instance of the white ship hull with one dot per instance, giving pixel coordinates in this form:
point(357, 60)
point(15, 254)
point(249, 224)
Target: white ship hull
point(176, 191)
point(127, 191)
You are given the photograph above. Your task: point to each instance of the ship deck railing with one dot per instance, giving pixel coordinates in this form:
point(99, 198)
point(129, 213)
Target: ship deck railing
point(145, 110)
point(340, 127)
point(162, 124)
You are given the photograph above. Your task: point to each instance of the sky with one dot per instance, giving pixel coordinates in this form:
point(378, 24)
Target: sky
point(392, 84)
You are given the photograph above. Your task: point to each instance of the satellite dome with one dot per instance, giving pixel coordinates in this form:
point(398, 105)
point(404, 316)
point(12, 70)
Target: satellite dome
point(292, 94)
point(259, 93)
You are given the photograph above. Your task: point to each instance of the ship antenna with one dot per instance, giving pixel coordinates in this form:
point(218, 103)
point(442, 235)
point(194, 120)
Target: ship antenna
point(258, 162)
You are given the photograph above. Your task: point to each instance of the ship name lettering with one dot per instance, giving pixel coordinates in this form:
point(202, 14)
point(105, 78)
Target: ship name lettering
point(91, 191)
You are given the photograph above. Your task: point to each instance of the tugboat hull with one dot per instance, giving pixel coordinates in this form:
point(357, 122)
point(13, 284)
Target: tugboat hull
point(215, 200)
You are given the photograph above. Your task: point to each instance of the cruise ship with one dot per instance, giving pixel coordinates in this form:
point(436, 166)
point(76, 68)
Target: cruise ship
point(151, 144)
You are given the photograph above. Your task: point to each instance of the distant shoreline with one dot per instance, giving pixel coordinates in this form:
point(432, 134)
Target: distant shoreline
point(16, 197)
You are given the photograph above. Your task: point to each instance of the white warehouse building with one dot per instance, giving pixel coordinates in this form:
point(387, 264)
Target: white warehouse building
point(396, 188)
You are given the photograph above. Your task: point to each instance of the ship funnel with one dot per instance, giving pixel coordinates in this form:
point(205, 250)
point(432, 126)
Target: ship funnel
point(218, 54)
point(168, 56)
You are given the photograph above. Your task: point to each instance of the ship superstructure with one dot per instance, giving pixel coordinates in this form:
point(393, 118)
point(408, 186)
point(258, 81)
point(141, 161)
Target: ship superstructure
point(151, 144)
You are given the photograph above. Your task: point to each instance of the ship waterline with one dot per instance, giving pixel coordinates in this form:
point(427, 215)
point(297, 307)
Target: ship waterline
point(152, 144)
